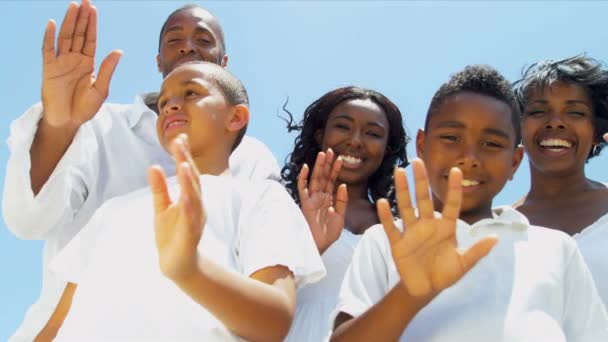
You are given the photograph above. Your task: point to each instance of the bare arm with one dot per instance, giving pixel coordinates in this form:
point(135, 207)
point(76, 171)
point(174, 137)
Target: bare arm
point(257, 308)
point(71, 95)
point(51, 328)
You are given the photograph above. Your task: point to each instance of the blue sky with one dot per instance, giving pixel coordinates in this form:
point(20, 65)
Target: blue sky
point(299, 50)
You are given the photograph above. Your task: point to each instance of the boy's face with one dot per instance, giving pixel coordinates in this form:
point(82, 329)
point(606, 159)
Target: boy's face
point(191, 103)
point(474, 133)
point(190, 35)
point(557, 128)
point(357, 130)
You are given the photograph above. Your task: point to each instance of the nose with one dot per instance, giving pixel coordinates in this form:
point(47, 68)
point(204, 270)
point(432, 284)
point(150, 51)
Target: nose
point(469, 159)
point(554, 121)
point(187, 47)
point(355, 139)
point(171, 107)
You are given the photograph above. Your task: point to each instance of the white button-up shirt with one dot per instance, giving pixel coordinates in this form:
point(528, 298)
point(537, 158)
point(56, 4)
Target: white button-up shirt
point(109, 156)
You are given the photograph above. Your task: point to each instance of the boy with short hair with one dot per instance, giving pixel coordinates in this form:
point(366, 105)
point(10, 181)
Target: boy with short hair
point(232, 263)
point(530, 283)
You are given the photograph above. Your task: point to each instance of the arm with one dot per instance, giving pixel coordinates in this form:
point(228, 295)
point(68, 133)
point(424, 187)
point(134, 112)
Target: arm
point(266, 300)
point(325, 217)
point(425, 255)
point(71, 95)
point(54, 323)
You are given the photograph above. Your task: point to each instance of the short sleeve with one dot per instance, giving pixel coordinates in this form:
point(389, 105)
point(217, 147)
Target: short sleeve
point(366, 280)
point(274, 232)
point(585, 317)
point(253, 160)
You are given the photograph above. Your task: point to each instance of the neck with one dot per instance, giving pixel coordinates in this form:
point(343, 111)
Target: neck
point(355, 192)
point(212, 162)
point(555, 186)
point(469, 216)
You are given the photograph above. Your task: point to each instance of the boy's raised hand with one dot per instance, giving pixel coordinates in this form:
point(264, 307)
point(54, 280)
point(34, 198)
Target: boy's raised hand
point(178, 225)
point(71, 94)
point(323, 213)
point(426, 253)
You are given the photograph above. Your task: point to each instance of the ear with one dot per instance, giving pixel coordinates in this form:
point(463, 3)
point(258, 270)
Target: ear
point(238, 119)
point(158, 63)
point(224, 62)
point(420, 139)
point(518, 156)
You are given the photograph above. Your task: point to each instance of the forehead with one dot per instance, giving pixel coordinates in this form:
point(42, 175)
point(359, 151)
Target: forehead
point(474, 112)
point(192, 18)
point(188, 74)
point(560, 91)
point(360, 109)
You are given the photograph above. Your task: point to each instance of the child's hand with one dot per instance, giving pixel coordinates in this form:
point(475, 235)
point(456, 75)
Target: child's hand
point(325, 221)
point(179, 225)
point(606, 137)
point(426, 253)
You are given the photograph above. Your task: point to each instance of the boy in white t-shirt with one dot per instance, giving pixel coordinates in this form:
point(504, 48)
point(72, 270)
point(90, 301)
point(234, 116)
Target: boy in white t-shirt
point(225, 269)
point(509, 281)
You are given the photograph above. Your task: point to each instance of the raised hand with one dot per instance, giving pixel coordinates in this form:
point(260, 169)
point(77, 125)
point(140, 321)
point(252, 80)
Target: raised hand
point(325, 219)
point(426, 253)
point(178, 225)
point(606, 137)
point(71, 94)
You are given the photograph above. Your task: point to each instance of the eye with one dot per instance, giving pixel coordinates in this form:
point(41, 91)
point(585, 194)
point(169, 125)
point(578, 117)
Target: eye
point(448, 138)
point(173, 40)
point(579, 114)
point(535, 112)
point(161, 104)
point(191, 92)
point(204, 41)
point(492, 144)
point(341, 127)
point(374, 134)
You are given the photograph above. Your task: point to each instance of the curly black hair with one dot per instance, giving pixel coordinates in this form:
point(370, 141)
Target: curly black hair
point(483, 80)
point(581, 70)
point(315, 118)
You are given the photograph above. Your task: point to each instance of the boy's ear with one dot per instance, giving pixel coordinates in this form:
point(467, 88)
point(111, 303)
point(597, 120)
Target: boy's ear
point(518, 156)
point(238, 119)
point(158, 63)
point(224, 62)
point(420, 136)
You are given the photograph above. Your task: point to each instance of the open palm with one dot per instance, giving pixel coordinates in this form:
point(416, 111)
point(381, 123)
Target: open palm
point(426, 253)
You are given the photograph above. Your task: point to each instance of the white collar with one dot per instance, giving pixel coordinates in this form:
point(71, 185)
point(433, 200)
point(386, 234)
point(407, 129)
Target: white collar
point(503, 216)
point(140, 109)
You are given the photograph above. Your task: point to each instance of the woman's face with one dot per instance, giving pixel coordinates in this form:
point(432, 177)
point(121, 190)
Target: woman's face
point(357, 131)
point(557, 128)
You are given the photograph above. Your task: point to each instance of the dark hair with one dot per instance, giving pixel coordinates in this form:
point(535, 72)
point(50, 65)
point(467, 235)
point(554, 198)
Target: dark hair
point(219, 32)
point(231, 87)
point(315, 118)
point(483, 80)
point(581, 70)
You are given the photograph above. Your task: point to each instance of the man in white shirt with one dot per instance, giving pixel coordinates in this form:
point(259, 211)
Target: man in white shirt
point(71, 153)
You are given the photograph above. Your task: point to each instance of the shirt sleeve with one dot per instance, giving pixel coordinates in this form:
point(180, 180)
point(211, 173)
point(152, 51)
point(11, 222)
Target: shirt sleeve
point(31, 216)
point(253, 160)
point(274, 232)
point(366, 280)
point(585, 317)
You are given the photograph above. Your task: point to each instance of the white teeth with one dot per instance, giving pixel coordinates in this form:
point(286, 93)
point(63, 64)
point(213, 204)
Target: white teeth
point(176, 123)
point(468, 182)
point(555, 143)
point(350, 160)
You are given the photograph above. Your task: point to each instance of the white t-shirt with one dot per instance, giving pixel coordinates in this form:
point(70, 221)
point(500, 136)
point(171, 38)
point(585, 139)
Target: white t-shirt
point(317, 302)
point(122, 295)
point(109, 156)
point(593, 243)
point(533, 286)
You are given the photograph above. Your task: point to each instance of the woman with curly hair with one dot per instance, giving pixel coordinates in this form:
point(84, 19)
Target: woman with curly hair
point(564, 117)
point(355, 138)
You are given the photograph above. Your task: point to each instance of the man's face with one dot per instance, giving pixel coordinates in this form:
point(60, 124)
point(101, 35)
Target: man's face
point(190, 35)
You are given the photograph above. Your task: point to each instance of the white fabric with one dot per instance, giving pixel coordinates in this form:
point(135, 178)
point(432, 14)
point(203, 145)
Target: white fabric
point(316, 302)
point(533, 286)
point(109, 156)
point(593, 243)
point(121, 294)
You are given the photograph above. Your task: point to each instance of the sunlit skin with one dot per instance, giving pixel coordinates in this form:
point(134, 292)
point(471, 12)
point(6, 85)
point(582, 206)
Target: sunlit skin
point(474, 133)
point(357, 131)
point(557, 132)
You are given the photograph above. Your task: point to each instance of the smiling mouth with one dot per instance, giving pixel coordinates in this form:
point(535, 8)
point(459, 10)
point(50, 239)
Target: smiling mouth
point(555, 145)
point(175, 124)
point(467, 183)
point(350, 161)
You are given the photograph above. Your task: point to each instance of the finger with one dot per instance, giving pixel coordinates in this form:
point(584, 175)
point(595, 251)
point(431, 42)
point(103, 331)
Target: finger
point(478, 251)
point(333, 176)
point(341, 201)
point(387, 220)
point(158, 186)
point(90, 43)
point(302, 182)
point(190, 201)
point(404, 201)
point(314, 185)
point(106, 70)
point(423, 197)
point(66, 33)
point(453, 199)
point(606, 137)
point(185, 149)
point(48, 44)
point(81, 26)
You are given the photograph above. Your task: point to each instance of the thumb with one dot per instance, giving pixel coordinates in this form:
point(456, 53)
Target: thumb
point(478, 251)
point(158, 186)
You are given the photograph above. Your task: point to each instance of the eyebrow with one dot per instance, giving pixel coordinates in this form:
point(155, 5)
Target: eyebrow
point(199, 28)
point(192, 81)
point(347, 117)
point(460, 125)
point(570, 102)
